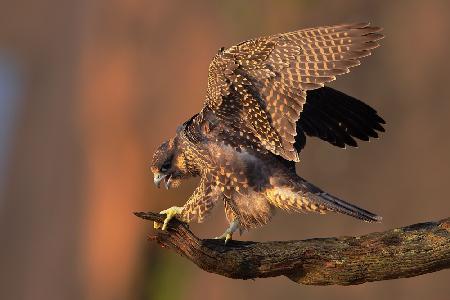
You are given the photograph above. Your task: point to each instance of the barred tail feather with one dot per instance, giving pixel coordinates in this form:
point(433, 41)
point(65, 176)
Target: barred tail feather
point(337, 205)
point(302, 196)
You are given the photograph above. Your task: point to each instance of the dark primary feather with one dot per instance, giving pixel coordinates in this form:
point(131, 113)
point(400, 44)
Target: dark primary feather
point(336, 118)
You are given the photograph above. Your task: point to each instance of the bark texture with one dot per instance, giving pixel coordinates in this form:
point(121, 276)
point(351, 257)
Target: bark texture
point(398, 253)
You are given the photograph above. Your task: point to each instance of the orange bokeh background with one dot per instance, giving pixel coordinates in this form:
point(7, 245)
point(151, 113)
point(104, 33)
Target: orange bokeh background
point(88, 89)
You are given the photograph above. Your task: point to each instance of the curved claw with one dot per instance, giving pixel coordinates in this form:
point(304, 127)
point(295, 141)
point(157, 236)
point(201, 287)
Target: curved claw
point(157, 225)
point(226, 236)
point(170, 214)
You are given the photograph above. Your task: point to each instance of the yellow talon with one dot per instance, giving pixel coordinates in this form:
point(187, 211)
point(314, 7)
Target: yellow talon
point(226, 236)
point(170, 213)
point(157, 225)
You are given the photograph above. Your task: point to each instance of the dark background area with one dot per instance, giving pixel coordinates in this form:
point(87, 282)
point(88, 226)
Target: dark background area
point(89, 88)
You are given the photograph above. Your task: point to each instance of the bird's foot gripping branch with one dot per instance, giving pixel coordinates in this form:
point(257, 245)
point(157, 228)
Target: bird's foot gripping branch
point(397, 253)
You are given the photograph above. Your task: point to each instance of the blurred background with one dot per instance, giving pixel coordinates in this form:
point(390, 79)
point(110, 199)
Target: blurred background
point(89, 88)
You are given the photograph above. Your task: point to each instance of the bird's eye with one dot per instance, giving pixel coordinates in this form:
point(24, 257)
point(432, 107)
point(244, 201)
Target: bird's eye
point(165, 166)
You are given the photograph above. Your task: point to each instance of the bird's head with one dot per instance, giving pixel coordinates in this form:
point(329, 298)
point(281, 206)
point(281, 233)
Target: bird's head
point(169, 164)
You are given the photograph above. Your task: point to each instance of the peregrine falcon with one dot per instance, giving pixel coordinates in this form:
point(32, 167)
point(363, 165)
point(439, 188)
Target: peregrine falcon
point(264, 96)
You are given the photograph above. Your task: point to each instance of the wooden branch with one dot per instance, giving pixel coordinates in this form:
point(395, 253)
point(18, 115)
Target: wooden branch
point(397, 253)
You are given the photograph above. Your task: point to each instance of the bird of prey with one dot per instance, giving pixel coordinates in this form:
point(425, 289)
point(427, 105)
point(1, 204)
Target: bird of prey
point(264, 96)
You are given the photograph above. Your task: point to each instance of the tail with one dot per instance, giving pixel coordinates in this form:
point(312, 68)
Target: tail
point(335, 204)
point(303, 196)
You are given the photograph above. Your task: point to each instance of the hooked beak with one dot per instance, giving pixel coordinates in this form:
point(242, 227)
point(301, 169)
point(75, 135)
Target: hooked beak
point(158, 177)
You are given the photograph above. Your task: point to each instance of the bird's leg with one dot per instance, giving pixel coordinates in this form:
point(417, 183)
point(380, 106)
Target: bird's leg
point(170, 213)
point(228, 234)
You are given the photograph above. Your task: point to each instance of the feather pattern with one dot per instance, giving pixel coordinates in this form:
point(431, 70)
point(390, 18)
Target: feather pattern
point(302, 196)
point(201, 202)
point(263, 82)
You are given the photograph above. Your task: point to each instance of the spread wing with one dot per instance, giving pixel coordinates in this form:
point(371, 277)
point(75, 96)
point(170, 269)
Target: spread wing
point(259, 86)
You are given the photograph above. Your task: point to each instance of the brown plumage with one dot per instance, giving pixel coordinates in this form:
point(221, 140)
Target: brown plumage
point(264, 95)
